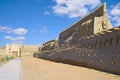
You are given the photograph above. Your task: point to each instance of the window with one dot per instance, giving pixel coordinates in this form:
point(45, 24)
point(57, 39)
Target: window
point(108, 42)
point(91, 44)
point(111, 39)
point(88, 44)
point(113, 63)
point(117, 41)
point(96, 43)
point(100, 43)
point(82, 45)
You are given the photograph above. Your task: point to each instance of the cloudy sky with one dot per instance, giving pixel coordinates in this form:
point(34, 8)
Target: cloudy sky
point(37, 21)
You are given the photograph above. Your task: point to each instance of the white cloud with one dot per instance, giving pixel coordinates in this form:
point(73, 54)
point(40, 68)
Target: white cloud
point(114, 14)
point(15, 39)
point(17, 42)
point(74, 8)
point(18, 39)
point(6, 29)
point(20, 31)
point(8, 37)
point(44, 30)
point(19, 34)
point(46, 13)
point(116, 10)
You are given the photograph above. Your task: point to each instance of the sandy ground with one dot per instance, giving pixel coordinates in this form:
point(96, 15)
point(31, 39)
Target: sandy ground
point(38, 69)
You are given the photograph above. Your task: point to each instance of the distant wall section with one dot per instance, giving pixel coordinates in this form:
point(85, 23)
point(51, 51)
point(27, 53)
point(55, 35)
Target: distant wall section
point(30, 49)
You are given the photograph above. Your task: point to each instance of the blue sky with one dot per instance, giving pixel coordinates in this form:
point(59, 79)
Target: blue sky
point(37, 21)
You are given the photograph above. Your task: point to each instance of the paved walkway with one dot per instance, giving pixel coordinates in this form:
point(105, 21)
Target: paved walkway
point(11, 70)
point(38, 69)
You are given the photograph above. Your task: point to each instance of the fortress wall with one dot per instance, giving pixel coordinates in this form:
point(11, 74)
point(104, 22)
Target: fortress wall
point(88, 25)
point(93, 23)
point(90, 42)
point(30, 49)
point(99, 51)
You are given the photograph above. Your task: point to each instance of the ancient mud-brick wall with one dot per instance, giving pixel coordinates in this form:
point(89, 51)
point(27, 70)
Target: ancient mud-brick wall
point(29, 49)
point(90, 42)
point(93, 23)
